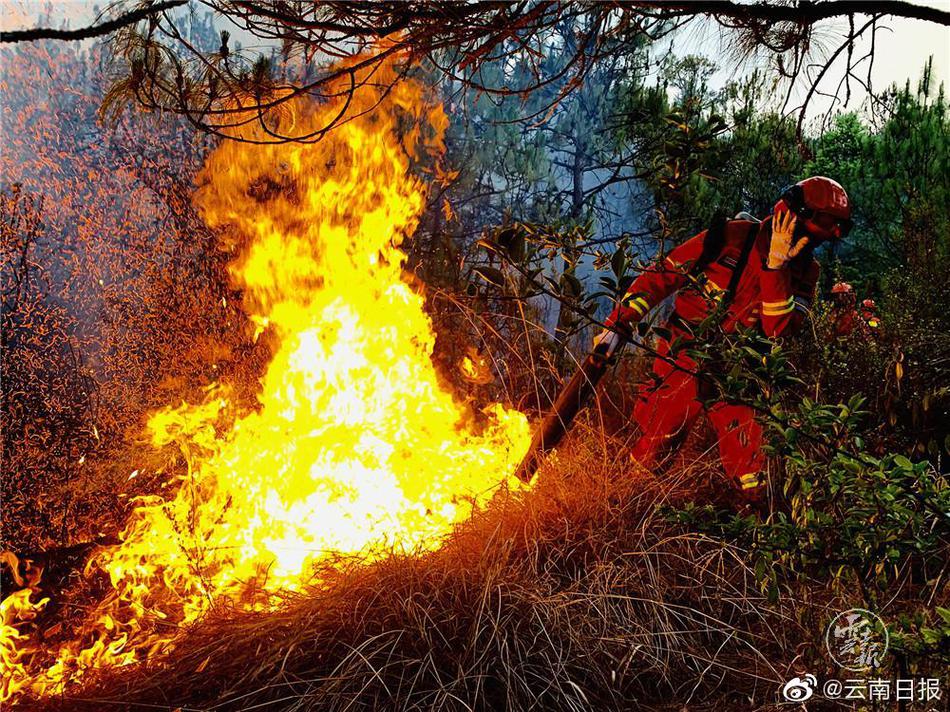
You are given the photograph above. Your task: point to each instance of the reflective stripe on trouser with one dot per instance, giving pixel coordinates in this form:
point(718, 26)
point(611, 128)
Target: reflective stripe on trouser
point(740, 446)
point(750, 480)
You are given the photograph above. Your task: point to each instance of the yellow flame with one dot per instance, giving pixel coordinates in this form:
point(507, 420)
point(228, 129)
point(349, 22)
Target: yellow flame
point(474, 367)
point(16, 609)
point(356, 446)
point(468, 367)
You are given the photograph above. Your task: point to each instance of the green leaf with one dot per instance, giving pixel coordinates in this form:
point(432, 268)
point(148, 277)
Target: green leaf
point(903, 462)
point(618, 263)
point(513, 241)
point(488, 245)
point(491, 275)
point(571, 285)
point(516, 250)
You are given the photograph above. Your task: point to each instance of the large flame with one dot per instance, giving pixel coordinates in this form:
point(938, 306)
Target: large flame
point(356, 446)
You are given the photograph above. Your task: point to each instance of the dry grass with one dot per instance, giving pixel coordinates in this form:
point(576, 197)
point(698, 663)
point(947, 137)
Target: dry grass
point(577, 596)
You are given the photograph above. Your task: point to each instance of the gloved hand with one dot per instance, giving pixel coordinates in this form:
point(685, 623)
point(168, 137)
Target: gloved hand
point(607, 342)
point(783, 247)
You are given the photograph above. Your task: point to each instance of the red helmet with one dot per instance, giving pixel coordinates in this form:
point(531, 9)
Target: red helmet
point(869, 304)
point(822, 207)
point(842, 288)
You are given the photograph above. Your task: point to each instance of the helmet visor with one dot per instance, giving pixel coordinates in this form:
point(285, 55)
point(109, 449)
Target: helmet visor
point(831, 224)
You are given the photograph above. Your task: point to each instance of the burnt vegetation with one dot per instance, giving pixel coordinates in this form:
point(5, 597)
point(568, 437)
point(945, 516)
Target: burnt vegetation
point(575, 155)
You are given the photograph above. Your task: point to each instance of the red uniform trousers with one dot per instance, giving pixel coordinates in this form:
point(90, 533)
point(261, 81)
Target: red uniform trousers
point(669, 408)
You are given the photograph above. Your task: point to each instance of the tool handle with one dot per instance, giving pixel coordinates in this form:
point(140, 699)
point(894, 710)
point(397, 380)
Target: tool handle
point(571, 399)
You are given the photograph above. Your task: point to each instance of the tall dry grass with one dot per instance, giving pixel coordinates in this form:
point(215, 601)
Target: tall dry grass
point(576, 596)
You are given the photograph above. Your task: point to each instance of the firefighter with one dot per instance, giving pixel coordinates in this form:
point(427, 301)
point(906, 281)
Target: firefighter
point(844, 314)
point(762, 274)
point(870, 317)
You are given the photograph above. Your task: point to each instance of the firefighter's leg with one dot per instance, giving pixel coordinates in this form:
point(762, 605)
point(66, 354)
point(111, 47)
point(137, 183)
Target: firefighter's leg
point(740, 449)
point(663, 412)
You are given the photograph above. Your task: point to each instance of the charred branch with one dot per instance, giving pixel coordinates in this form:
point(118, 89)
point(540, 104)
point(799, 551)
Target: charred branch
point(105, 28)
point(803, 12)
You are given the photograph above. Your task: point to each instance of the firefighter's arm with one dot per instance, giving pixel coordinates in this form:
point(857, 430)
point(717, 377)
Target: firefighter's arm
point(657, 283)
point(785, 302)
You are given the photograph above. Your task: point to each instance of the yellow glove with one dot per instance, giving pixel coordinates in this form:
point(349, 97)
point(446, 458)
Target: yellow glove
point(782, 247)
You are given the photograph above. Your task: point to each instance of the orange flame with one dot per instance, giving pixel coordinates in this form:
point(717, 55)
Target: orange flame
point(356, 446)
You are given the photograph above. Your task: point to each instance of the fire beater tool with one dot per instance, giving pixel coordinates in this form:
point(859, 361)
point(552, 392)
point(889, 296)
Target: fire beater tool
point(570, 400)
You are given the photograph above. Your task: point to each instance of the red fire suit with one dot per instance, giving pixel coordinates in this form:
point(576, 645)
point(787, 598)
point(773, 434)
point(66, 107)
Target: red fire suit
point(846, 320)
point(775, 300)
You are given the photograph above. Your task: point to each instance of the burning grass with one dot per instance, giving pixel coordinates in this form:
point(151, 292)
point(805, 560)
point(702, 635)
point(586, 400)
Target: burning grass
point(577, 595)
point(328, 461)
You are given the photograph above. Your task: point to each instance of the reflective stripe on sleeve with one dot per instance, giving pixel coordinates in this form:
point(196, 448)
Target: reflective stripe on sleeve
point(713, 290)
point(778, 308)
point(639, 303)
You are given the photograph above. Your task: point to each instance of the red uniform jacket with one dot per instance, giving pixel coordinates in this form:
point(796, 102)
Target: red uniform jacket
point(845, 322)
point(778, 300)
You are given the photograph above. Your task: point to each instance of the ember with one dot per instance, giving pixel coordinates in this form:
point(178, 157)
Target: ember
point(356, 446)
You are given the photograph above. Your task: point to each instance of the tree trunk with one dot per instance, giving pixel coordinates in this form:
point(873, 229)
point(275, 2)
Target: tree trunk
point(564, 317)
